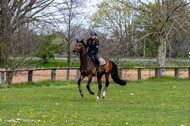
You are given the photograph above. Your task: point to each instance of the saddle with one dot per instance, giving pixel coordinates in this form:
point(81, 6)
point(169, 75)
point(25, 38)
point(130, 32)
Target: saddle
point(102, 60)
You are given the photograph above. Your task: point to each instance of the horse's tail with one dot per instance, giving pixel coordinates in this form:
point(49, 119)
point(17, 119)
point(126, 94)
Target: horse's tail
point(115, 77)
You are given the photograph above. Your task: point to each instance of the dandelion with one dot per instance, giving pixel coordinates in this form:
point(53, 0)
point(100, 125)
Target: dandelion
point(44, 106)
point(126, 123)
point(88, 118)
point(44, 116)
point(3, 97)
point(70, 104)
point(0, 119)
point(31, 109)
point(161, 121)
point(64, 117)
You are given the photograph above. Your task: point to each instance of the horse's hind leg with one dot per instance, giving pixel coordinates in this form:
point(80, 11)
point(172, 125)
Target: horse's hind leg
point(79, 85)
point(88, 85)
point(106, 87)
point(99, 87)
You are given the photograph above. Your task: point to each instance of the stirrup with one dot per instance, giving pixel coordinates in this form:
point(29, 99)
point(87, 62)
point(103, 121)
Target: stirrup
point(99, 70)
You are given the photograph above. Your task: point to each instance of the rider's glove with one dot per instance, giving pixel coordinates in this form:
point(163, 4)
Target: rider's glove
point(92, 52)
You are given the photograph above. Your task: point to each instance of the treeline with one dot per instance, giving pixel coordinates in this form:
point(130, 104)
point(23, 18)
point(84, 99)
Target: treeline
point(126, 28)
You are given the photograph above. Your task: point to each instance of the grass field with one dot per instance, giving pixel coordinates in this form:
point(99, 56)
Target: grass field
point(160, 102)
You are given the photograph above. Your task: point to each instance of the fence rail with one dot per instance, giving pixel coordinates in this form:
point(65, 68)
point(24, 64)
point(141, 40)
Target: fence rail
point(53, 71)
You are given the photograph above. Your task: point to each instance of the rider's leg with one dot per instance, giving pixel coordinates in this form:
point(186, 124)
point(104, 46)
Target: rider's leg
point(97, 61)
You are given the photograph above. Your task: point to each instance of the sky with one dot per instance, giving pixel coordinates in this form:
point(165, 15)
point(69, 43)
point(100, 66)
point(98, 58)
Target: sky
point(91, 5)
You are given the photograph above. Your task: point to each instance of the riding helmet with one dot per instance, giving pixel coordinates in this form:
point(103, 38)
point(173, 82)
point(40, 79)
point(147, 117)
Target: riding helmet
point(93, 33)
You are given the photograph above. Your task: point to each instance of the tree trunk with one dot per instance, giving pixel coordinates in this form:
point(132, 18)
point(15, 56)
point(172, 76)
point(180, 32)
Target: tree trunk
point(9, 77)
point(144, 50)
point(161, 57)
point(68, 58)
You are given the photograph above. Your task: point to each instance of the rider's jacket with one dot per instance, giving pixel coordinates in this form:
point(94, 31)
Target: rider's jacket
point(92, 44)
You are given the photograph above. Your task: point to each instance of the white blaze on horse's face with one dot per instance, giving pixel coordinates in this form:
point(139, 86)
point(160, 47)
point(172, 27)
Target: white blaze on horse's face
point(78, 47)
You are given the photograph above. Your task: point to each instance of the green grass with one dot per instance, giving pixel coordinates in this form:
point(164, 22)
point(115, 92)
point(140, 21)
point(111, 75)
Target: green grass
point(52, 63)
point(154, 101)
point(76, 63)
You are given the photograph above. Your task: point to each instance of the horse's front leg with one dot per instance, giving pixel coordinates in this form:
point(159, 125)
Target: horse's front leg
point(79, 85)
point(99, 87)
point(88, 85)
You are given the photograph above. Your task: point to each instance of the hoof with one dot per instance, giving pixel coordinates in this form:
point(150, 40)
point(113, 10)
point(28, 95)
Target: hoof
point(82, 94)
point(97, 99)
point(92, 92)
point(103, 97)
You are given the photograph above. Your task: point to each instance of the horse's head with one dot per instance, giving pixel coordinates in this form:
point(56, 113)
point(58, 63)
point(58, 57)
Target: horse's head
point(78, 46)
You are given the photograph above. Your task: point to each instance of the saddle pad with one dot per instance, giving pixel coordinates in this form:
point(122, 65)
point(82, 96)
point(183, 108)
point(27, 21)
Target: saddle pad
point(102, 61)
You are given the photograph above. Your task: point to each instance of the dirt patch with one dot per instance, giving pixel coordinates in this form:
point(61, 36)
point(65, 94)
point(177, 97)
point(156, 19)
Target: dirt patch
point(61, 75)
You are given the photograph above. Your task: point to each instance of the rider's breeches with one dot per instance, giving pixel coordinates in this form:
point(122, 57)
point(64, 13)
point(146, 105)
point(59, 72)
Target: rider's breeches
point(96, 58)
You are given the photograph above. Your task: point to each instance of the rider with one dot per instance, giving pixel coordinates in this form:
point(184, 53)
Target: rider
point(93, 45)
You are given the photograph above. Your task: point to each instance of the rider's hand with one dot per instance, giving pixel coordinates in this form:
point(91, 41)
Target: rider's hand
point(92, 52)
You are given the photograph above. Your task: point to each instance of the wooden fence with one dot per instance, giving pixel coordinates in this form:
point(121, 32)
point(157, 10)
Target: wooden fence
point(53, 71)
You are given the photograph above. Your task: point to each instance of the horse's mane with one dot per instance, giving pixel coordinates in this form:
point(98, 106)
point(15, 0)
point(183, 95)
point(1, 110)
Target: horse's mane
point(83, 44)
point(85, 47)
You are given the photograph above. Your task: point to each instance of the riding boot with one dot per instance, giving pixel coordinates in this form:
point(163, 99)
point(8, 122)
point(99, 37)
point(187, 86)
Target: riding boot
point(99, 70)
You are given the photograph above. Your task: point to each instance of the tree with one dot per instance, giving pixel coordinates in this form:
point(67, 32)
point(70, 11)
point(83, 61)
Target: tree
point(69, 16)
point(114, 19)
point(17, 38)
point(169, 18)
point(47, 48)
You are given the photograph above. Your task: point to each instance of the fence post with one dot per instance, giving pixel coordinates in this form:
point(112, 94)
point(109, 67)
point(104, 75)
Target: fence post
point(189, 72)
point(53, 75)
point(120, 73)
point(67, 76)
point(78, 74)
point(139, 73)
point(157, 72)
point(176, 72)
point(2, 78)
point(30, 72)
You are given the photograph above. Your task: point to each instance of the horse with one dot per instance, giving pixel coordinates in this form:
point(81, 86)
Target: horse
point(88, 68)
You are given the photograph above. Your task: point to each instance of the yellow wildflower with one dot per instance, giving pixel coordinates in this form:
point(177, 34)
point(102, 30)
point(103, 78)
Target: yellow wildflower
point(44, 116)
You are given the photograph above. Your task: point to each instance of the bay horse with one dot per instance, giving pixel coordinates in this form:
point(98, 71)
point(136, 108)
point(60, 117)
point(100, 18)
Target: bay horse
point(87, 68)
